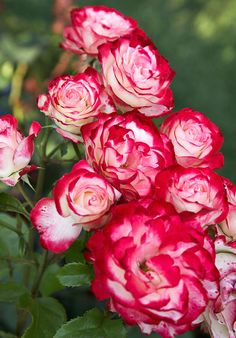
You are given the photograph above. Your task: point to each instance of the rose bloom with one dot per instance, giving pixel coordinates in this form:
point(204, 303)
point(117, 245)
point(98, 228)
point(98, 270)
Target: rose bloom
point(198, 193)
point(73, 101)
point(15, 149)
point(220, 316)
point(137, 76)
point(57, 233)
point(128, 151)
point(156, 269)
point(228, 226)
point(94, 25)
point(196, 139)
point(85, 196)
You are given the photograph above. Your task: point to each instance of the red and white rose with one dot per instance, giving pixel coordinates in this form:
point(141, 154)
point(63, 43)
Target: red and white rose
point(73, 101)
point(198, 193)
point(196, 139)
point(15, 149)
point(128, 151)
point(137, 76)
point(220, 316)
point(85, 196)
point(156, 269)
point(228, 225)
point(94, 25)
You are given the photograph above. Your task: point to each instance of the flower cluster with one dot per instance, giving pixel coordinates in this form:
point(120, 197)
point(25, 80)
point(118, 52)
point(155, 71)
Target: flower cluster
point(163, 222)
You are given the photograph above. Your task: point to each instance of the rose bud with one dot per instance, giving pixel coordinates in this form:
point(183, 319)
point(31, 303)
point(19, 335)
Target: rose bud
point(198, 193)
point(94, 25)
point(228, 225)
point(137, 76)
point(85, 196)
point(156, 269)
point(15, 149)
point(196, 139)
point(73, 101)
point(57, 233)
point(128, 151)
point(220, 316)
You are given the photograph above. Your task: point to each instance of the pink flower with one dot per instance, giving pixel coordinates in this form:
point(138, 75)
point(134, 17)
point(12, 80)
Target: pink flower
point(57, 233)
point(220, 316)
point(137, 76)
point(198, 193)
point(196, 139)
point(156, 269)
point(128, 151)
point(94, 25)
point(73, 101)
point(15, 149)
point(228, 225)
point(85, 196)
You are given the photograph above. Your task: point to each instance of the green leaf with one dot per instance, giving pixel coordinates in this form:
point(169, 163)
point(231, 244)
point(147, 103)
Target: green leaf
point(74, 253)
point(75, 274)
point(92, 324)
point(12, 204)
point(9, 239)
point(11, 292)
point(47, 316)
point(50, 282)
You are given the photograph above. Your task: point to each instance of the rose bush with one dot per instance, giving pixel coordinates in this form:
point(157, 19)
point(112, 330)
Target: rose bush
point(151, 223)
point(196, 139)
point(128, 151)
point(198, 193)
point(15, 149)
point(94, 25)
point(137, 76)
point(73, 101)
point(156, 269)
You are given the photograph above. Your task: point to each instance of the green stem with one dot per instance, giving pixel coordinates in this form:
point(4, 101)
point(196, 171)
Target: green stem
point(41, 176)
point(10, 227)
point(25, 195)
point(53, 151)
point(77, 151)
point(17, 260)
point(39, 275)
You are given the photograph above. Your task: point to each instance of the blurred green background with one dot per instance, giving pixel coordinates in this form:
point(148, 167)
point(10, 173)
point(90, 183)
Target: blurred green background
point(196, 36)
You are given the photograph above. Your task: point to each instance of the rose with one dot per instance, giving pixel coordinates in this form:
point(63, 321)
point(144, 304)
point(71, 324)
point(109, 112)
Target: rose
point(15, 149)
point(73, 101)
point(57, 233)
point(196, 139)
point(228, 225)
point(85, 196)
point(197, 192)
point(137, 76)
point(128, 151)
point(94, 25)
point(156, 269)
point(220, 316)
